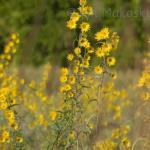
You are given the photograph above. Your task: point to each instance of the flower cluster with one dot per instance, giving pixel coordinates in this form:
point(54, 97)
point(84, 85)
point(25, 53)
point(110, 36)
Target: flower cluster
point(142, 113)
point(88, 93)
point(10, 131)
point(144, 81)
point(87, 111)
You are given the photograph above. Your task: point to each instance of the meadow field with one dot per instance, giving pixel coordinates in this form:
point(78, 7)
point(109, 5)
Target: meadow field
point(93, 96)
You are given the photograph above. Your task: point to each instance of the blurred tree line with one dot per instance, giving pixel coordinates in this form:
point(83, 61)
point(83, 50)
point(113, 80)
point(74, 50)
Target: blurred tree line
point(44, 37)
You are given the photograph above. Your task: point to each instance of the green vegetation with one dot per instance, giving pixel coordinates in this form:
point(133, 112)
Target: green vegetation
point(41, 25)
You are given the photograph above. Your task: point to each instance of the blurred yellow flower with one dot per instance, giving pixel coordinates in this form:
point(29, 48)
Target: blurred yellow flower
point(111, 61)
point(53, 115)
point(85, 27)
point(102, 35)
point(98, 70)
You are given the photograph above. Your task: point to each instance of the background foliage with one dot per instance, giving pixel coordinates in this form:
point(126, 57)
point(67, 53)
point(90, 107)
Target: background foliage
point(41, 25)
